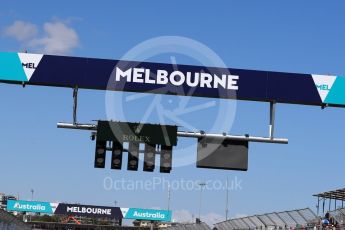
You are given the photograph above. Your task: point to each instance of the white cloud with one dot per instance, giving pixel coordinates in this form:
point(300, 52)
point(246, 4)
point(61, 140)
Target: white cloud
point(184, 216)
point(56, 38)
point(212, 218)
point(21, 30)
point(239, 216)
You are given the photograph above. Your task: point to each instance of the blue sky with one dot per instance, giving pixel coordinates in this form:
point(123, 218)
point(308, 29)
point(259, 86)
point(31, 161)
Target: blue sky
point(291, 36)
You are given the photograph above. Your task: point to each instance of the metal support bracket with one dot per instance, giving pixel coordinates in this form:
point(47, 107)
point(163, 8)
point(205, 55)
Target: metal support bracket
point(93, 127)
point(201, 134)
point(75, 105)
point(272, 119)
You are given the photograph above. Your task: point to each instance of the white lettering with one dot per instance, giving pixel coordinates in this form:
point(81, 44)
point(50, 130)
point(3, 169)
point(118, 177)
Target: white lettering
point(138, 75)
point(220, 81)
point(178, 78)
point(232, 82)
point(189, 79)
point(162, 77)
point(147, 77)
point(206, 79)
point(120, 73)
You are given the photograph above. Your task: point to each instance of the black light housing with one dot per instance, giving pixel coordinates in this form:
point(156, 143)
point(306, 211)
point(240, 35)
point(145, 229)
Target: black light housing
point(133, 156)
point(100, 153)
point(116, 156)
point(166, 159)
point(149, 157)
point(153, 136)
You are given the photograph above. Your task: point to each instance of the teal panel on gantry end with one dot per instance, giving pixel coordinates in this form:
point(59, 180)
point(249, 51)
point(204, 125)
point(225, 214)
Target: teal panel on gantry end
point(11, 67)
point(337, 92)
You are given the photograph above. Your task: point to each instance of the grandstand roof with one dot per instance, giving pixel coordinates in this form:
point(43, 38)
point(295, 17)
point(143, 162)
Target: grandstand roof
point(339, 215)
point(9, 221)
point(335, 195)
point(294, 218)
